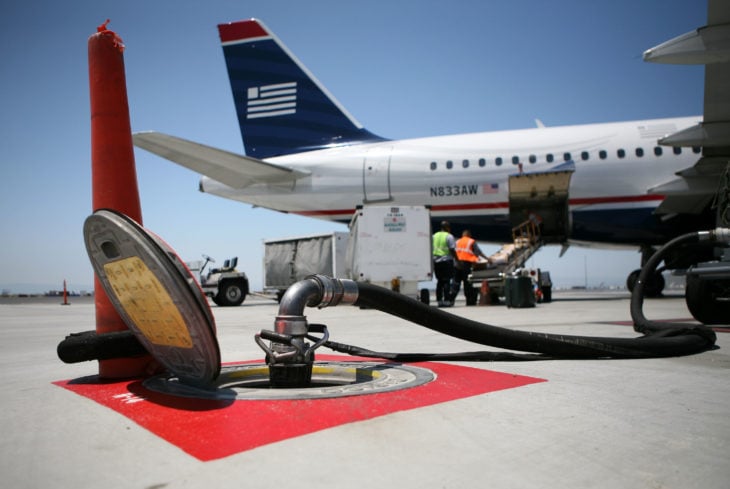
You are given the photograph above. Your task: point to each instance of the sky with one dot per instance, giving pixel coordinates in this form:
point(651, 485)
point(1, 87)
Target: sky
point(404, 69)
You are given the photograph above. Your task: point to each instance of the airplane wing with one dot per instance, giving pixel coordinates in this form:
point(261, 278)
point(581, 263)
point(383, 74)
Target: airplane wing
point(234, 170)
point(695, 187)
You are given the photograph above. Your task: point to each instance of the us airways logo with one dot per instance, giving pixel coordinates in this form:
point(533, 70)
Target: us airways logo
point(271, 100)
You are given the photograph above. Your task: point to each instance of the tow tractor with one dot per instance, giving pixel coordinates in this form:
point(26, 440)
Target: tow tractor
point(226, 285)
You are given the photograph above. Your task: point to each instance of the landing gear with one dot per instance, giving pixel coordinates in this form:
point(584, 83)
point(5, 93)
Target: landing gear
point(653, 286)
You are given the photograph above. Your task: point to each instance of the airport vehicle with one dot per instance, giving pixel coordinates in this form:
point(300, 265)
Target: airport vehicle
point(225, 285)
point(289, 260)
point(390, 246)
point(708, 290)
point(509, 262)
point(635, 184)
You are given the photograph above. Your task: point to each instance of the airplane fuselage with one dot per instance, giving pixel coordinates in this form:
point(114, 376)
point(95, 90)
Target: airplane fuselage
point(464, 178)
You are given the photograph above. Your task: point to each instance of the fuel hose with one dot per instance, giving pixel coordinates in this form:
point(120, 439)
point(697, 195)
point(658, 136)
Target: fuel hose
point(659, 339)
point(646, 326)
point(657, 342)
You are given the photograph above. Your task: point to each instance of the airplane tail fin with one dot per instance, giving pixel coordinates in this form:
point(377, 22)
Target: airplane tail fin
point(282, 108)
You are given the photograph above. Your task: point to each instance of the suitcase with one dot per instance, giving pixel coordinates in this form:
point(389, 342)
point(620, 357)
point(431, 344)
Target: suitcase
point(518, 292)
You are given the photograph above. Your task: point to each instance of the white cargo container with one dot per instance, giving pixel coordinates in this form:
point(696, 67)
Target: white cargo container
point(390, 246)
point(289, 260)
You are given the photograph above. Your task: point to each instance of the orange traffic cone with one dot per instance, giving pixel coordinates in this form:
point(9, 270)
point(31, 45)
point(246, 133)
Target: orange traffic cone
point(113, 173)
point(65, 295)
point(484, 297)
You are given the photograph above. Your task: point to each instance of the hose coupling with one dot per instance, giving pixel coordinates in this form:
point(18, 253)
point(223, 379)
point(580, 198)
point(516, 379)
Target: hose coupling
point(721, 234)
point(289, 356)
point(714, 235)
point(335, 291)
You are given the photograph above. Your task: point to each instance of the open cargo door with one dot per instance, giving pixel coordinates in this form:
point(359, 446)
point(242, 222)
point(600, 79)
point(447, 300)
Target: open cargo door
point(542, 198)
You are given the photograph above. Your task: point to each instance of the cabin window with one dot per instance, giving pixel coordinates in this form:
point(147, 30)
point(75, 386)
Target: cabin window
point(696, 149)
point(465, 163)
point(657, 150)
point(533, 159)
point(498, 161)
point(677, 150)
point(549, 158)
point(482, 162)
point(449, 165)
point(567, 157)
point(639, 152)
point(434, 165)
point(584, 156)
point(515, 160)
point(603, 154)
point(621, 153)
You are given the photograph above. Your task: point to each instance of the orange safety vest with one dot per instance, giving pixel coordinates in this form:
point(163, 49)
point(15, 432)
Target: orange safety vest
point(464, 251)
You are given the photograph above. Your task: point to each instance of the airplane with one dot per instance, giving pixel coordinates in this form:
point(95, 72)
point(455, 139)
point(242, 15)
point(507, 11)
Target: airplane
point(603, 185)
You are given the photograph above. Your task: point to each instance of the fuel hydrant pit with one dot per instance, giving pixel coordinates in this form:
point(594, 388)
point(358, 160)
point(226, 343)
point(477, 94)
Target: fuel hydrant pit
point(329, 380)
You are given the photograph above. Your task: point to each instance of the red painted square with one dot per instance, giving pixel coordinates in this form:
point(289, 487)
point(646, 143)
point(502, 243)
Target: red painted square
point(209, 430)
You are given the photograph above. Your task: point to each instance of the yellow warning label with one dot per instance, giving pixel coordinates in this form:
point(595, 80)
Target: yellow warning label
point(147, 302)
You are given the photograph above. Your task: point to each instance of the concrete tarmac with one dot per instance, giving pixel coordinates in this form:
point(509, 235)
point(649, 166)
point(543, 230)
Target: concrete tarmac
point(650, 423)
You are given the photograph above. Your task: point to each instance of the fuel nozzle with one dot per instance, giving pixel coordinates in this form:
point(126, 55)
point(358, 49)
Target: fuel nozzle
point(289, 356)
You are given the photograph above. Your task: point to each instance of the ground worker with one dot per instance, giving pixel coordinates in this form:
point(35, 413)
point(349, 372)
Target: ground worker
point(467, 254)
point(444, 253)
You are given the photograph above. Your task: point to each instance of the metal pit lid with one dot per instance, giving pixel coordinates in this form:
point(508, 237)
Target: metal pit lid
point(155, 294)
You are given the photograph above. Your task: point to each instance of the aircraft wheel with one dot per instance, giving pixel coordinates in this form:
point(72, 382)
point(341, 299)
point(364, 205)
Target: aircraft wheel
point(652, 288)
point(707, 300)
point(631, 280)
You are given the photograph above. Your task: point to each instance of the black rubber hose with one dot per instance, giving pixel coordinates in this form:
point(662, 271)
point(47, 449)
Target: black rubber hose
point(466, 356)
point(88, 345)
point(665, 343)
point(644, 325)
